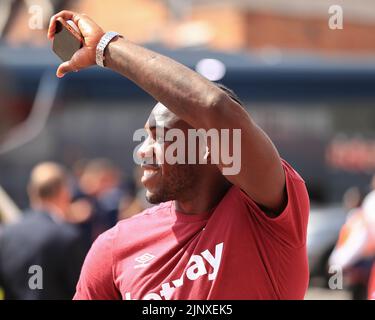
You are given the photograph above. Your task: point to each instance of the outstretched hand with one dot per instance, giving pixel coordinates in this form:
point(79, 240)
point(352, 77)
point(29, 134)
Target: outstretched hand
point(91, 32)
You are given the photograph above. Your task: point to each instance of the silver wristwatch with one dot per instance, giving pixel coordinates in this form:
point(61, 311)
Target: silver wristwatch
point(102, 45)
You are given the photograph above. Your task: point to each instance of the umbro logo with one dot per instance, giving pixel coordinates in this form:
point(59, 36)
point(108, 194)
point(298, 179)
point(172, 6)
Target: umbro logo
point(143, 260)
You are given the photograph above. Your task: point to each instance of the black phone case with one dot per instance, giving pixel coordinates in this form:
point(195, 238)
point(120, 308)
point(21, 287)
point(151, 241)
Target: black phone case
point(65, 44)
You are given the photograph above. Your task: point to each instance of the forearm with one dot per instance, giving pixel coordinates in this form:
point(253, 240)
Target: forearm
point(183, 91)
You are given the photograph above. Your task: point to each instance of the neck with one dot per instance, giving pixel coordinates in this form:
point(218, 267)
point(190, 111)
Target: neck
point(51, 209)
point(204, 197)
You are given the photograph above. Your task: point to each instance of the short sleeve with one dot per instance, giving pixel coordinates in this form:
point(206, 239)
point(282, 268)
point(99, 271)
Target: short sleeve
point(290, 227)
point(96, 279)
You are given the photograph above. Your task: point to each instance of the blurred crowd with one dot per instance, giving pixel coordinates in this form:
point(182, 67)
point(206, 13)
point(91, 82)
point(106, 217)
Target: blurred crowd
point(68, 210)
point(354, 253)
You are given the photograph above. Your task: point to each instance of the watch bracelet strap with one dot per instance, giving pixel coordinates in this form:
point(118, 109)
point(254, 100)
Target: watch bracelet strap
point(102, 45)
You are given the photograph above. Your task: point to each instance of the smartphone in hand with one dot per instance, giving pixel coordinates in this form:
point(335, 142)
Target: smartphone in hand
point(67, 39)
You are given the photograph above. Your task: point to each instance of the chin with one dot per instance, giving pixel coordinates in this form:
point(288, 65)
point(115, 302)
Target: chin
point(153, 198)
point(158, 197)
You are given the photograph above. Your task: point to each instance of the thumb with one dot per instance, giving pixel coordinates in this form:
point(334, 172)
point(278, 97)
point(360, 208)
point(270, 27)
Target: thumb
point(65, 68)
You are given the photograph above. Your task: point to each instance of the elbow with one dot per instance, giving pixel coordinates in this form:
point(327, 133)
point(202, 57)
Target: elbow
point(219, 108)
point(216, 100)
point(216, 104)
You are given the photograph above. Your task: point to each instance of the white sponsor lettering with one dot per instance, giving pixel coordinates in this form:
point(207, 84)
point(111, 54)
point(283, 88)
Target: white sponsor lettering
point(196, 268)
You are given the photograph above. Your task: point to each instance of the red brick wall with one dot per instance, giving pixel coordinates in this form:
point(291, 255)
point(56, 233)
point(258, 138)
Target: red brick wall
point(229, 27)
point(263, 29)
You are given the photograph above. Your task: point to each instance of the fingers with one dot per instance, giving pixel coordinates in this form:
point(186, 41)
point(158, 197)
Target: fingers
point(66, 15)
point(83, 57)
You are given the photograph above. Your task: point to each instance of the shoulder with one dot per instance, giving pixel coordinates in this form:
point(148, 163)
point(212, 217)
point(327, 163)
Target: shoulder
point(295, 185)
point(291, 224)
point(290, 172)
point(28, 225)
point(147, 215)
point(103, 253)
point(135, 225)
point(67, 234)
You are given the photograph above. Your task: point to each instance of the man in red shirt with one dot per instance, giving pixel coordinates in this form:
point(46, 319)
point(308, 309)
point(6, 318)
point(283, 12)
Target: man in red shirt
point(213, 235)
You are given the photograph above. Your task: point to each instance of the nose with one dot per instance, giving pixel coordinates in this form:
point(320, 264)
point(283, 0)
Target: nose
point(146, 150)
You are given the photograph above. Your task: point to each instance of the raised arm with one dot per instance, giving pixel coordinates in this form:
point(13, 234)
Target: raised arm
point(195, 100)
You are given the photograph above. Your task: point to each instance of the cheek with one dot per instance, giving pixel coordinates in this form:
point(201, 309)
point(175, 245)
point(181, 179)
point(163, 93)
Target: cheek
point(159, 150)
point(165, 170)
point(171, 173)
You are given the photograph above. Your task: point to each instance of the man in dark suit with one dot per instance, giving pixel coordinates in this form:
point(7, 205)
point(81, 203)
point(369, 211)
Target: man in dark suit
point(41, 256)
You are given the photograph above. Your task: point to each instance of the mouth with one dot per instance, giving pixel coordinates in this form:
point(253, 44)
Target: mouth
point(150, 172)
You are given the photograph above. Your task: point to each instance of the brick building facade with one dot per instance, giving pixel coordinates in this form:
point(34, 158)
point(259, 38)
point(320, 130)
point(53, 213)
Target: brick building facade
point(220, 24)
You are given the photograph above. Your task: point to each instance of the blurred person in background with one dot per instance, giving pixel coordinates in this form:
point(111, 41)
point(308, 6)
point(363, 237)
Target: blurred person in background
point(355, 248)
point(43, 238)
point(5, 103)
point(352, 200)
point(369, 210)
point(129, 206)
point(369, 204)
point(97, 197)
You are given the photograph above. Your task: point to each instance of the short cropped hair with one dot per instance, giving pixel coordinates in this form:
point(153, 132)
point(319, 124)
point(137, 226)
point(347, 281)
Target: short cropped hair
point(229, 92)
point(46, 181)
